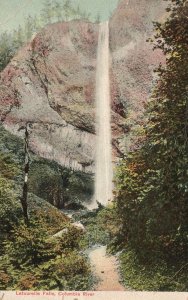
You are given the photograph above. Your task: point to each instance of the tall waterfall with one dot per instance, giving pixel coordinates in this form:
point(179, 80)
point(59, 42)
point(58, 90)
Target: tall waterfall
point(103, 173)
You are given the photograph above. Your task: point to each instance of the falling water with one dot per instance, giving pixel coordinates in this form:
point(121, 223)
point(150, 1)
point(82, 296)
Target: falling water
point(103, 173)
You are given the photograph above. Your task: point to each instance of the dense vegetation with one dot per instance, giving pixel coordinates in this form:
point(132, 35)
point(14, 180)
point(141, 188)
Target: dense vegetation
point(30, 257)
point(152, 181)
point(61, 187)
point(148, 221)
point(35, 260)
point(99, 225)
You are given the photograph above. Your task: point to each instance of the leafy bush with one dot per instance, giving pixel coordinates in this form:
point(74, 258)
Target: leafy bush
point(155, 275)
point(152, 186)
point(35, 260)
point(69, 272)
point(10, 208)
point(59, 186)
point(47, 217)
point(99, 224)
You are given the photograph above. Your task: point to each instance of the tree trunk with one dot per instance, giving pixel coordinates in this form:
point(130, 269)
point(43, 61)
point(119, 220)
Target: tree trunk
point(25, 186)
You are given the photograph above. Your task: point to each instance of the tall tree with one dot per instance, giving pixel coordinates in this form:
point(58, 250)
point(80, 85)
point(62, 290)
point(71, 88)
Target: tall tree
point(153, 181)
point(26, 173)
point(47, 13)
point(30, 27)
point(18, 36)
point(6, 50)
point(57, 8)
point(67, 9)
point(98, 18)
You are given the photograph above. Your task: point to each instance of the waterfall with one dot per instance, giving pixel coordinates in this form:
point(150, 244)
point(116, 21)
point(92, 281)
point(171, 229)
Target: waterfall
point(103, 172)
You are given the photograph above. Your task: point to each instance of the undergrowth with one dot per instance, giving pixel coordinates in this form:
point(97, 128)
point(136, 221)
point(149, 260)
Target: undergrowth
point(99, 226)
point(153, 275)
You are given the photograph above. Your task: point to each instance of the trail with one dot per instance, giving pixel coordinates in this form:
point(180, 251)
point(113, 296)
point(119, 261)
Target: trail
point(105, 269)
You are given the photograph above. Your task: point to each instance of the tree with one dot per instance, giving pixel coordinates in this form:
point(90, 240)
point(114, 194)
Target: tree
point(29, 27)
point(98, 18)
point(85, 15)
point(47, 13)
point(6, 51)
point(18, 38)
point(152, 185)
point(36, 24)
point(57, 8)
point(78, 11)
point(67, 9)
point(10, 210)
point(26, 172)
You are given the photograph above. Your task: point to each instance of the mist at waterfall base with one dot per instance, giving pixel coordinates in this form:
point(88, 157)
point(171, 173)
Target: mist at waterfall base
point(103, 160)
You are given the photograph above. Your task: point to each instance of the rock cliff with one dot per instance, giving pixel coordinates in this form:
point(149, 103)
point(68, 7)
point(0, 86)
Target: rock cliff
point(50, 84)
point(133, 59)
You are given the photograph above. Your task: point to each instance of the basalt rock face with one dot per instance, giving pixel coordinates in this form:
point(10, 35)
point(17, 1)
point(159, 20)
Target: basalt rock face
point(133, 59)
point(50, 84)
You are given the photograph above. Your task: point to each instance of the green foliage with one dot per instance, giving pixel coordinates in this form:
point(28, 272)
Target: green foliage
point(59, 186)
point(35, 260)
point(30, 257)
point(151, 184)
point(66, 272)
point(47, 180)
point(28, 246)
point(10, 175)
point(49, 219)
point(8, 168)
point(153, 276)
point(10, 209)
point(100, 226)
point(6, 50)
point(11, 155)
point(10, 172)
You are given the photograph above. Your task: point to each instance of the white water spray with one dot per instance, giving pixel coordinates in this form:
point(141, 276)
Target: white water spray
point(103, 173)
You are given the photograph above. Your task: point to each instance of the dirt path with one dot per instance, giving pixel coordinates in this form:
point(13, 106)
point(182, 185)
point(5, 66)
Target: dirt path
point(105, 268)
